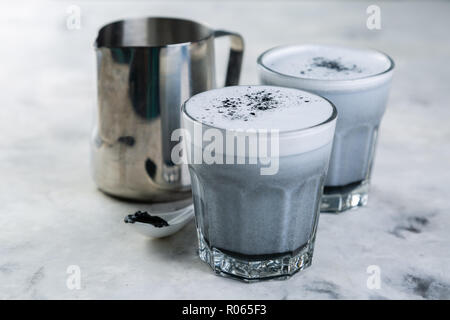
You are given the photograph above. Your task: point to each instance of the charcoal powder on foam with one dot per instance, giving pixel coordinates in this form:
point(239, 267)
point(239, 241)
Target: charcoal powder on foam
point(326, 62)
point(258, 107)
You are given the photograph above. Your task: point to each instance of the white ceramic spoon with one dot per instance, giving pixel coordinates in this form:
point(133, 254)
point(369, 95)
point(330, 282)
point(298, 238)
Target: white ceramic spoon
point(159, 225)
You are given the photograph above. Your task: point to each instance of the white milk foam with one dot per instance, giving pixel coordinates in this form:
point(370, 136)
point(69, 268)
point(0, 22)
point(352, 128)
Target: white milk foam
point(259, 107)
point(324, 62)
point(304, 121)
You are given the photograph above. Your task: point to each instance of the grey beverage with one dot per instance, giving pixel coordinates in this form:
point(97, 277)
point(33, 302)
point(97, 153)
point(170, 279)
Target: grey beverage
point(255, 224)
point(357, 81)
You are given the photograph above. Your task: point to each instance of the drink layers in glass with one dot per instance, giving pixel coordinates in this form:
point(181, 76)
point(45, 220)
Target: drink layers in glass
point(357, 82)
point(257, 212)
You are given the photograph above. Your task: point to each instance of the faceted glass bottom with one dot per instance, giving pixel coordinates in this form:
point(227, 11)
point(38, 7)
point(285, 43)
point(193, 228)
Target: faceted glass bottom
point(251, 269)
point(339, 199)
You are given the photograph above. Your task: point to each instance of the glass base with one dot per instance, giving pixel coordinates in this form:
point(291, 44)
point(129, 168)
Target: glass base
point(251, 268)
point(339, 199)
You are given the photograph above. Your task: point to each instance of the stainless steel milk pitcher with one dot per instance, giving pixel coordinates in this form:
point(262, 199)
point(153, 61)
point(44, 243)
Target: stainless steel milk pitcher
point(146, 69)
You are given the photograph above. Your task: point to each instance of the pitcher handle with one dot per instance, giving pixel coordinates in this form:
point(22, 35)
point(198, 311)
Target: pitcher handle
point(235, 57)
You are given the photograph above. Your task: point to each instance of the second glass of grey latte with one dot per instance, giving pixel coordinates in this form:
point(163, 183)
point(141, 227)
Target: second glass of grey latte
point(357, 82)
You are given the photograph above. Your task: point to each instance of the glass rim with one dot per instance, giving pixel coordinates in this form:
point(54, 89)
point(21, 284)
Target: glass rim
point(331, 118)
point(269, 51)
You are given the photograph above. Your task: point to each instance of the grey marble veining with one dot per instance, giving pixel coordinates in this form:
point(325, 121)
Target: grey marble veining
point(52, 216)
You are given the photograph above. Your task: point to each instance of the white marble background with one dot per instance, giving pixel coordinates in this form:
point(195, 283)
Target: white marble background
point(52, 215)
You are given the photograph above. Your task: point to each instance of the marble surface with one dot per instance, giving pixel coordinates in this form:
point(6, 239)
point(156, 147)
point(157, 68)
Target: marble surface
point(52, 216)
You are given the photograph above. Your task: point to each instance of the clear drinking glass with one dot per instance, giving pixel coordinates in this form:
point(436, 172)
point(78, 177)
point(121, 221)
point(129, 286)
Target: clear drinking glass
point(253, 225)
point(358, 84)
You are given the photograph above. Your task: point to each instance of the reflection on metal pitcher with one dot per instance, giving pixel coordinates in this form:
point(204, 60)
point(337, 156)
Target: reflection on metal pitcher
point(146, 69)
